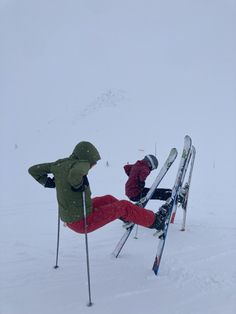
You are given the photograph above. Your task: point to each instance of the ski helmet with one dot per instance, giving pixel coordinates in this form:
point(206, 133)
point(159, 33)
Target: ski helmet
point(152, 160)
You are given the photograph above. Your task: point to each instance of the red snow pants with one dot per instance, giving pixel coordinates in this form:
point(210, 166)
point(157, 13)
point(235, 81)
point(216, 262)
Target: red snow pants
point(107, 208)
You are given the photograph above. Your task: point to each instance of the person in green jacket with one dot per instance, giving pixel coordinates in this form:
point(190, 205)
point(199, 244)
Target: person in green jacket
point(69, 177)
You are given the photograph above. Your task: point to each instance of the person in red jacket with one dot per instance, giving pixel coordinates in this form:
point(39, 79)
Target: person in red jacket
point(135, 188)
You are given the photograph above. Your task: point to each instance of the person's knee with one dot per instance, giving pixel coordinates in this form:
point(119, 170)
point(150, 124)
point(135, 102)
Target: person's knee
point(110, 198)
point(125, 203)
point(79, 228)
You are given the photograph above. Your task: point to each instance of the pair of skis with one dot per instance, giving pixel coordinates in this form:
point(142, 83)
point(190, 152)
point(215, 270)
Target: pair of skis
point(185, 203)
point(187, 154)
point(190, 159)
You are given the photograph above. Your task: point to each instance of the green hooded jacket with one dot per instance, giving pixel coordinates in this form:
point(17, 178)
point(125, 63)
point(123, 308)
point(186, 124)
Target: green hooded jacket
point(68, 174)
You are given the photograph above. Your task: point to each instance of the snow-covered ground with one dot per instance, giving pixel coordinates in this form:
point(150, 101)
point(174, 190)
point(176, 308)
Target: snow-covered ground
point(133, 77)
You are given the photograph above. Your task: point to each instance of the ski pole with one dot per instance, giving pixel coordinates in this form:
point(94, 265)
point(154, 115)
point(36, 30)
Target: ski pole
point(87, 250)
point(58, 240)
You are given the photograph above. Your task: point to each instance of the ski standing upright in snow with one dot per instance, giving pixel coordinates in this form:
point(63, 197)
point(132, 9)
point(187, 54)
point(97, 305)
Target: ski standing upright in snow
point(143, 202)
point(173, 213)
point(185, 202)
point(173, 199)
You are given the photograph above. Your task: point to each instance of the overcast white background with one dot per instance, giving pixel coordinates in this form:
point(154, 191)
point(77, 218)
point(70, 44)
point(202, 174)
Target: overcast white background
point(132, 77)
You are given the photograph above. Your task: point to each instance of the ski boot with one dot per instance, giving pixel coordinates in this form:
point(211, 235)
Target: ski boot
point(160, 217)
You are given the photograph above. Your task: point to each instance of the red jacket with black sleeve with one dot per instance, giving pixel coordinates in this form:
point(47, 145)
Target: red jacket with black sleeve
point(137, 174)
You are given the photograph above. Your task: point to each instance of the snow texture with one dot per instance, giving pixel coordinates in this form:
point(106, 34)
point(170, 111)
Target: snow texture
point(133, 77)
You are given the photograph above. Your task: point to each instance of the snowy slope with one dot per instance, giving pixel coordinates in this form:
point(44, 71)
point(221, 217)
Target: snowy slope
point(123, 75)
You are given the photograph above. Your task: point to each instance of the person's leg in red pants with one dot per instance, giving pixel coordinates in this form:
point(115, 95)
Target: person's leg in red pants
point(107, 208)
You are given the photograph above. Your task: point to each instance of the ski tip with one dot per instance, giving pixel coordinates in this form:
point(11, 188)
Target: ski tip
point(156, 264)
point(115, 253)
point(172, 156)
point(188, 139)
point(174, 151)
point(155, 269)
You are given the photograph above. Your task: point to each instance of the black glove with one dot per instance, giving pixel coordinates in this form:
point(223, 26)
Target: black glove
point(82, 186)
point(50, 183)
